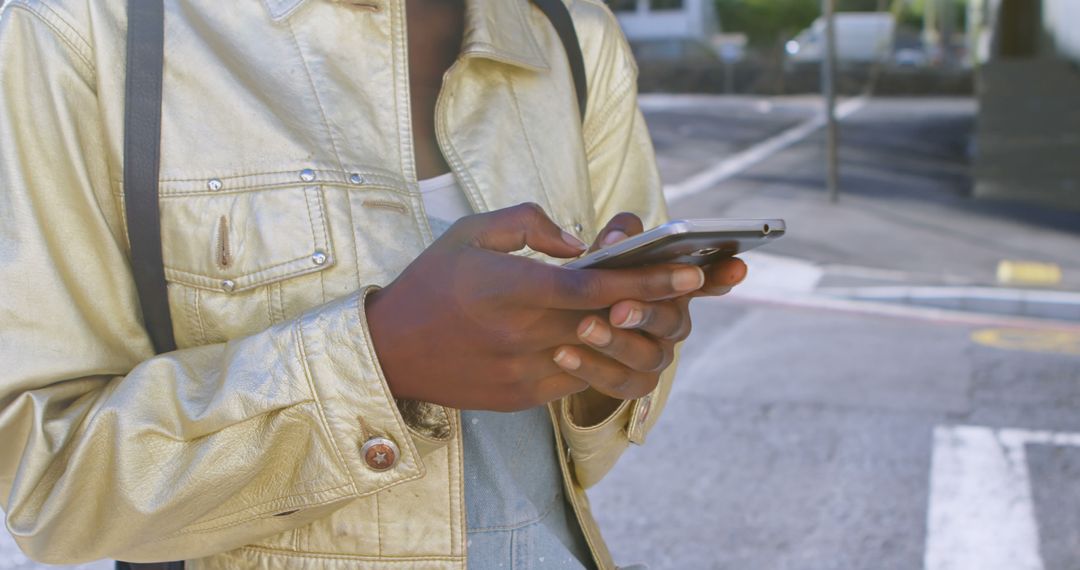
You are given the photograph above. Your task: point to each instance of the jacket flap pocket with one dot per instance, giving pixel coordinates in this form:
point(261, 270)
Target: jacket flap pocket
point(234, 241)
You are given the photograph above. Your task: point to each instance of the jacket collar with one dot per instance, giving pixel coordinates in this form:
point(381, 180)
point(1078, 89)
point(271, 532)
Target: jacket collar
point(494, 29)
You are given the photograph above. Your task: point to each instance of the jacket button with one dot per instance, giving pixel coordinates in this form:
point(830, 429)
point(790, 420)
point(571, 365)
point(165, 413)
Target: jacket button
point(356, 178)
point(307, 175)
point(379, 453)
point(214, 184)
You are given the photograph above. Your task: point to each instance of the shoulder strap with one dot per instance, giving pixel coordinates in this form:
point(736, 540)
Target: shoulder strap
point(142, 142)
point(559, 15)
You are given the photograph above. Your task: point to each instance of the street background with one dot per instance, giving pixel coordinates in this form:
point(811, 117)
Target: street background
point(800, 432)
point(897, 383)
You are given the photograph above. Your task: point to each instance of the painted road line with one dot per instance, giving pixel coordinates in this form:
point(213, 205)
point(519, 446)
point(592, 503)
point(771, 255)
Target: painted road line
point(792, 282)
point(981, 515)
point(1013, 272)
point(861, 272)
point(964, 318)
point(742, 160)
point(1046, 341)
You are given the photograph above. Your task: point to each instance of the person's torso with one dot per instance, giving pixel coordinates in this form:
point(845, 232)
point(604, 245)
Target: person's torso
point(287, 181)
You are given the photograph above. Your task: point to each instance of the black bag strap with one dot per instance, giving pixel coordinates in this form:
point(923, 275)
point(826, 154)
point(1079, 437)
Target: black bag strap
point(559, 15)
point(142, 147)
point(142, 157)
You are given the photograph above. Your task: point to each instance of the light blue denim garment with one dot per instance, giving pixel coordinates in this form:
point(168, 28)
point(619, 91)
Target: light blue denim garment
point(518, 517)
point(517, 514)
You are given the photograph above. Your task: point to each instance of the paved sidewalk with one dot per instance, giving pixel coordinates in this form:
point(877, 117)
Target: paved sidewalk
point(904, 209)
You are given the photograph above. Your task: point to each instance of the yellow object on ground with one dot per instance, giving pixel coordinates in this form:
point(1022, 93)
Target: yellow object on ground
point(1052, 341)
point(1028, 273)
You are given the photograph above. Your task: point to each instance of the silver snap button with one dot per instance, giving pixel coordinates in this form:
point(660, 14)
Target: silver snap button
point(228, 285)
point(356, 178)
point(578, 228)
point(214, 184)
point(318, 258)
point(307, 175)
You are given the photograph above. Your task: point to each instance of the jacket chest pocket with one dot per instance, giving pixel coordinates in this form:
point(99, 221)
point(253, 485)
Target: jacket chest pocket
point(240, 261)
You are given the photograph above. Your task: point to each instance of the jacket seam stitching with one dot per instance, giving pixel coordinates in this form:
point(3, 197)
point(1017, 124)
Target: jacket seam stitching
point(355, 242)
point(191, 279)
point(64, 36)
point(169, 194)
point(378, 525)
point(332, 556)
point(399, 57)
point(315, 230)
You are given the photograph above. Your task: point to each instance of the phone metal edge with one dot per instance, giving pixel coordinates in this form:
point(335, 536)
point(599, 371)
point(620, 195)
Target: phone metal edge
point(676, 227)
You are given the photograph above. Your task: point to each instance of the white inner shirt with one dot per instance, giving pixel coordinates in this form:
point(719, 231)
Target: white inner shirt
point(444, 202)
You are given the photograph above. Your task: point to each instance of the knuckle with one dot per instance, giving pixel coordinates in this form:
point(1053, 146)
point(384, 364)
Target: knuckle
point(509, 340)
point(657, 361)
point(529, 213)
point(630, 221)
point(684, 333)
point(667, 356)
point(679, 327)
point(467, 225)
point(583, 285)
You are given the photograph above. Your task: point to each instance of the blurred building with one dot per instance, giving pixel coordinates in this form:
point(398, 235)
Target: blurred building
point(666, 19)
point(1028, 136)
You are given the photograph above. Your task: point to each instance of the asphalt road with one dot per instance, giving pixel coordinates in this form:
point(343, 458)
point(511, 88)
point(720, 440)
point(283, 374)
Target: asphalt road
point(810, 433)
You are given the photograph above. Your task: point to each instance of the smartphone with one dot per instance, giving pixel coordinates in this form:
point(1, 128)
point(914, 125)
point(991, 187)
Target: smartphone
point(696, 242)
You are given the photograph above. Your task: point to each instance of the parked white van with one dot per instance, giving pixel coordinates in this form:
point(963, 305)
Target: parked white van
point(862, 38)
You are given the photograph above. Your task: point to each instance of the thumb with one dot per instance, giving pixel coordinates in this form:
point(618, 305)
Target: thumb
point(513, 228)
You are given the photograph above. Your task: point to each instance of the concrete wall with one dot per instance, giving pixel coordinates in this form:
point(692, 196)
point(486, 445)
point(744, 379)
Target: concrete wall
point(1028, 133)
point(1062, 21)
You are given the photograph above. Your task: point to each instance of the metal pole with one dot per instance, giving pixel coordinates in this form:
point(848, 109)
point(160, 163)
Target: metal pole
point(828, 88)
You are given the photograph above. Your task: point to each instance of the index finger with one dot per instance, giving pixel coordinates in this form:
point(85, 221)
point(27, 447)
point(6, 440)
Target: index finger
point(589, 289)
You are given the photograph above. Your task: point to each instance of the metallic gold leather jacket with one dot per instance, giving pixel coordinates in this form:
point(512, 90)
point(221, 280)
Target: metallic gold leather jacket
point(288, 191)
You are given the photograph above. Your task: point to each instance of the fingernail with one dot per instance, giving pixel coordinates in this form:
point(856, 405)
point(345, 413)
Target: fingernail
point(633, 319)
point(566, 359)
point(596, 335)
point(570, 239)
point(613, 237)
point(686, 279)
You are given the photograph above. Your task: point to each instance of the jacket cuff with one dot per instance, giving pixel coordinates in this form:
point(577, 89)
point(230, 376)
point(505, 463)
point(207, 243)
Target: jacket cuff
point(354, 399)
point(594, 449)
